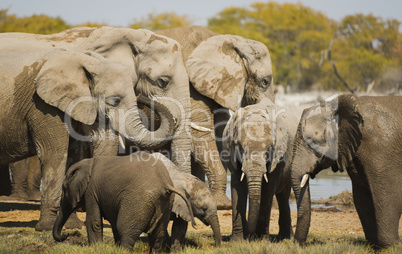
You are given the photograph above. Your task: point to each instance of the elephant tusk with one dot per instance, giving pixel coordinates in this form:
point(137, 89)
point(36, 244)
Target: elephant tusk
point(304, 180)
point(122, 143)
point(242, 176)
point(265, 177)
point(200, 128)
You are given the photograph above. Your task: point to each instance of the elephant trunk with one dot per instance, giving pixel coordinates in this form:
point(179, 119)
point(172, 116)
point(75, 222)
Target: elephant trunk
point(61, 218)
point(254, 180)
point(216, 229)
point(133, 128)
point(303, 162)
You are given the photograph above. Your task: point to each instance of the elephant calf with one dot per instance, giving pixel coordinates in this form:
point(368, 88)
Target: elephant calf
point(132, 192)
point(258, 139)
point(201, 199)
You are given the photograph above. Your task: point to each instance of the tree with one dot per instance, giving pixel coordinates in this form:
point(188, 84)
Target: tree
point(161, 21)
point(40, 24)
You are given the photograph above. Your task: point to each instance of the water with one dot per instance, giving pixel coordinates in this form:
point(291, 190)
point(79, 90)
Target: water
point(323, 186)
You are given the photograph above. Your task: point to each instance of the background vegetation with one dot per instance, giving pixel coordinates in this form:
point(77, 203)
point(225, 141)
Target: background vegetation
point(366, 50)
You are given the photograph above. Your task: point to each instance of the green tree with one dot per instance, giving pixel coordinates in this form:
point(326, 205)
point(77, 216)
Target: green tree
point(161, 21)
point(39, 24)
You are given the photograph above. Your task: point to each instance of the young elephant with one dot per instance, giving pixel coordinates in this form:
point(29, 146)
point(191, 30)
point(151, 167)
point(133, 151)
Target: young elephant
point(201, 200)
point(136, 199)
point(258, 139)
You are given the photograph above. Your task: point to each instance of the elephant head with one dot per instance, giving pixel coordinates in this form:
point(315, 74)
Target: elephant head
point(157, 70)
point(328, 135)
point(231, 70)
point(257, 138)
point(83, 84)
point(73, 197)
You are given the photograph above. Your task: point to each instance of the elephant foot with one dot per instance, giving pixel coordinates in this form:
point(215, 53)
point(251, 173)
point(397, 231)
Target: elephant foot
point(237, 237)
point(45, 223)
point(19, 196)
point(35, 196)
point(74, 222)
point(222, 201)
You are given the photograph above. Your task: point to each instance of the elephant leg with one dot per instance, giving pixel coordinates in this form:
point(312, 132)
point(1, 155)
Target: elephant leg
point(239, 202)
point(94, 222)
point(285, 221)
point(157, 235)
point(5, 181)
point(179, 230)
point(34, 178)
point(365, 209)
point(204, 147)
point(19, 183)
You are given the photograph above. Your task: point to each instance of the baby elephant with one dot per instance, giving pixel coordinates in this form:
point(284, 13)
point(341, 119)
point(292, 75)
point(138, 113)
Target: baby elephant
point(201, 200)
point(132, 192)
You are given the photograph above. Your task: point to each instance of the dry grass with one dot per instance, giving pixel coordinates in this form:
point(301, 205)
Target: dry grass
point(331, 232)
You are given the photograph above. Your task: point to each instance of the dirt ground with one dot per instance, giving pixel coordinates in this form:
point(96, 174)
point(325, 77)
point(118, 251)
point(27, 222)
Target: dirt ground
point(324, 221)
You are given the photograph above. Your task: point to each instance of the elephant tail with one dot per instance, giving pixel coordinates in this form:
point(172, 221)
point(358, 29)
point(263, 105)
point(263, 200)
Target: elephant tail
point(183, 196)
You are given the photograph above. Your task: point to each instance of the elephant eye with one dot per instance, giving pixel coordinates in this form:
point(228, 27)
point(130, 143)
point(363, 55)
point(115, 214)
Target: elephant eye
point(113, 101)
point(266, 81)
point(163, 82)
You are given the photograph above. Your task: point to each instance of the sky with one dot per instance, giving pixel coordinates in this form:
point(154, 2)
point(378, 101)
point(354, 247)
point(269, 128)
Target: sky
point(123, 12)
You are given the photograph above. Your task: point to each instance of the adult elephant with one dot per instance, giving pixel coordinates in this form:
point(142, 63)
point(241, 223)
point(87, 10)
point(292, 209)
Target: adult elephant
point(225, 72)
point(258, 139)
point(45, 80)
point(361, 135)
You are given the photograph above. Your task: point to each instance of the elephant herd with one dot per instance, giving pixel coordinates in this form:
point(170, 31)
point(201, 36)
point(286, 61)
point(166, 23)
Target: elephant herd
point(121, 118)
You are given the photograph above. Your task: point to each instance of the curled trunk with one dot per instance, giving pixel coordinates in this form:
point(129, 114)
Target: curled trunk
point(135, 130)
point(61, 218)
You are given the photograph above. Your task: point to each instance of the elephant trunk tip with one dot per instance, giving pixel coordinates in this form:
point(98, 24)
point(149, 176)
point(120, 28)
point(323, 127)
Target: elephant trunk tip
point(61, 238)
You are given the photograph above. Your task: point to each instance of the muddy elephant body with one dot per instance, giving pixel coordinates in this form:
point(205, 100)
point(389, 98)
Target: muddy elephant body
point(201, 199)
point(258, 140)
point(137, 199)
point(225, 72)
point(52, 83)
point(361, 135)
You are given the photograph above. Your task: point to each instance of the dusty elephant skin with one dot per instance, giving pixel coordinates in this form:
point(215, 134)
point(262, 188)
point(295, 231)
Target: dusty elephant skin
point(79, 77)
point(137, 199)
point(201, 199)
point(361, 135)
point(225, 72)
point(258, 140)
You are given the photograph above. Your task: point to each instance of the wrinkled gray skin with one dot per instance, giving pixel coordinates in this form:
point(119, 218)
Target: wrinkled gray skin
point(43, 75)
point(26, 177)
point(258, 139)
point(137, 199)
point(225, 72)
point(201, 200)
point(361, 135)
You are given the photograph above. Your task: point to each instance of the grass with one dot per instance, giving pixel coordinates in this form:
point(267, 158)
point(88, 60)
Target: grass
point(26, 240)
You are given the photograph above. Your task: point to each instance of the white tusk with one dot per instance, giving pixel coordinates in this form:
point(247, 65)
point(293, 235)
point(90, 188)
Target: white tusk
point(122, 143)
point(304, 180)
point(242, 176)
point(265, 177)
point(200, 128)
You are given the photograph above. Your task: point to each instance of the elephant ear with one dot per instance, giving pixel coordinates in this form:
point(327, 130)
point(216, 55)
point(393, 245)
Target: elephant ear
point(76, 182)
point(281, 140)
point(65, 82)
point(220, 67)
point(350, 124)
point(180, 208)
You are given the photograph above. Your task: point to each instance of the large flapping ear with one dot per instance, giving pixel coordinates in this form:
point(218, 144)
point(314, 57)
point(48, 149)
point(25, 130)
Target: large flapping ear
point(76, 182)
point(220, 67)
point(65, 81)
point(350, 123)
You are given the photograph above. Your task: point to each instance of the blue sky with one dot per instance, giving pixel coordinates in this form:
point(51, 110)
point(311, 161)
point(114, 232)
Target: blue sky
point(123, 12)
